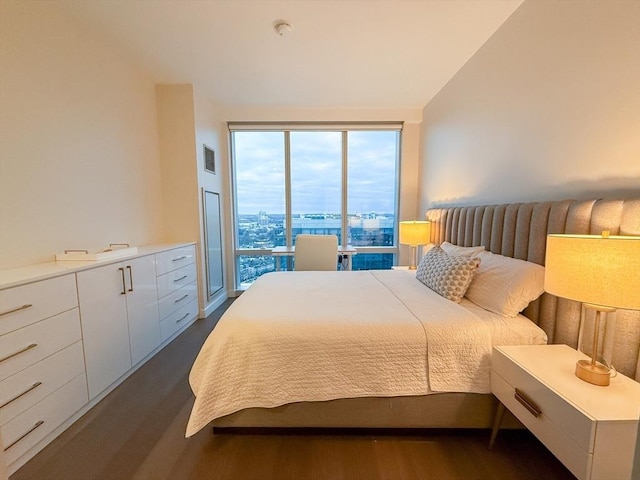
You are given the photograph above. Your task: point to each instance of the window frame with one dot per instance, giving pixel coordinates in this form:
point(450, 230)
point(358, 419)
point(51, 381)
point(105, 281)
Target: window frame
point(286, 129)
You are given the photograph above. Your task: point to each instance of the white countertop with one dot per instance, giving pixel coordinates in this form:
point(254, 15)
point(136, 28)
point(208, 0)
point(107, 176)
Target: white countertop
point(14, 277)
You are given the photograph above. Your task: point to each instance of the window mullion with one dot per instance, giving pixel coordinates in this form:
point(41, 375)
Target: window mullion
point(345, 215)
point(287, 186)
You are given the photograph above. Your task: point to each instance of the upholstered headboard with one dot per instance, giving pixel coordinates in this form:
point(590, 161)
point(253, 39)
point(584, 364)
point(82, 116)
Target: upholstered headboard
point(520, 230)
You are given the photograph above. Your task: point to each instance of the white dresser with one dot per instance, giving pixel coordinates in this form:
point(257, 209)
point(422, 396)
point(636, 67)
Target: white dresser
point(592, 430)
point(42, 371)
point(70, 332)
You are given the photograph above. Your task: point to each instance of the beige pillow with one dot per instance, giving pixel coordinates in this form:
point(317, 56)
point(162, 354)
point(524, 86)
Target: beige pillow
point(452, 249)
point(505, 285)
point(447, 275)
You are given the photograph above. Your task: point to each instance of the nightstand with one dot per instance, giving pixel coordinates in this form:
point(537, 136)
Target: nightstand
point(592, 430)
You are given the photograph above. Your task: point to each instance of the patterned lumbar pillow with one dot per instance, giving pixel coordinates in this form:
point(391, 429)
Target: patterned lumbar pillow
point(445, 274)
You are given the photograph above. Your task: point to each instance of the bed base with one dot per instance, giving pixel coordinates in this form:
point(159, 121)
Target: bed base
point(439, 410)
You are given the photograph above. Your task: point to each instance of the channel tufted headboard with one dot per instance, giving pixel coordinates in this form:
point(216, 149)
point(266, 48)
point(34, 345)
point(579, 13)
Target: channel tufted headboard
point(520, 230)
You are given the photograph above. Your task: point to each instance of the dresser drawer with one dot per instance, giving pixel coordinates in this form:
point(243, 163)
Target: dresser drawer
point(27, 304)
point(174, 259)
point(577, 459)
point(174, 301)
point(175, 321)
point(566, 416)
point(28, 428)
point(27, 387)
point(24, 347)
point(172, 281)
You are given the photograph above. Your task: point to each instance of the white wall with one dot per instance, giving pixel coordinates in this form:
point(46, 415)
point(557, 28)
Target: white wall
point(548, 108)
point(78, 139)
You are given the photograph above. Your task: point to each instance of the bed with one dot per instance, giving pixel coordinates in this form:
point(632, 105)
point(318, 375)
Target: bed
point(395, 354)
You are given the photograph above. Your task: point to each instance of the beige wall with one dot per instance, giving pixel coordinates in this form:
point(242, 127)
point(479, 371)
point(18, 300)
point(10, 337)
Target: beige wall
point(549, 108)
point(78, 140)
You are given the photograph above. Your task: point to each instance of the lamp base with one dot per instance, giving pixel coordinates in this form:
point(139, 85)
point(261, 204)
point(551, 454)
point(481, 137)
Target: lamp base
point(595, 374)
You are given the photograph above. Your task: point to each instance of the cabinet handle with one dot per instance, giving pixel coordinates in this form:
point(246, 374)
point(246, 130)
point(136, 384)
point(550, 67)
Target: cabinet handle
point(124, 287)
point(118, 245)
point(179, 258)
point(32, 387)
point(181, 278)
point(24, 435)
point(181, 298)
point(185, 316)
point(29, 347)
point(76, 250)
point(17, 309)
point(130, 277)
point(527, 403)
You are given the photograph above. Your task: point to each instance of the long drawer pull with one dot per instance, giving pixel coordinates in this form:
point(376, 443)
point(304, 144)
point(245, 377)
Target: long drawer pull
point(185, 316)
point(23, 307)
point(181, 278)
point(181, 298)
point(24, 435)
point(527, 403)
point(177, 259)
point(32, 387)
point(29, 347)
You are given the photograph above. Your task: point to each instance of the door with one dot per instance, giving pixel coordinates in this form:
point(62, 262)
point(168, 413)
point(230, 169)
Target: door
point(142, 306)
point(105, 331)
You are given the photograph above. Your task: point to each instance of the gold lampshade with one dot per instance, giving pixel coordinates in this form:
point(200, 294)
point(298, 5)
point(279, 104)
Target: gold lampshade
point(602, 272)
point(414, 233)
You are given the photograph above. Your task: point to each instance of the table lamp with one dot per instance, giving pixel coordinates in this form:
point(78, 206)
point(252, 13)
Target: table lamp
point(415, 233)
point(602, 272)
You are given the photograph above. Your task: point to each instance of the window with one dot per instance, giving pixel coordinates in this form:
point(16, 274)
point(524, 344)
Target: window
point(296, 179)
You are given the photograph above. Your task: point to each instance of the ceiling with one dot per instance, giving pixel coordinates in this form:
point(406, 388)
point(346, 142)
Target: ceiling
point(341, 53)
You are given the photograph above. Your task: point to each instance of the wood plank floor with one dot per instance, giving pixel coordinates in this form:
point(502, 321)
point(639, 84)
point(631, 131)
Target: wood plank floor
point(137, 432)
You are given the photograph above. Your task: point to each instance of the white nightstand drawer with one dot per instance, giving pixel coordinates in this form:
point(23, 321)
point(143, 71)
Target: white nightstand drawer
point(27, 429)
point(178, 299)
point(573, 456)
point(26, 388)
point(29, 345)
point(174, 259)
point(554, 407)
point(27, 304)
point(172, 281)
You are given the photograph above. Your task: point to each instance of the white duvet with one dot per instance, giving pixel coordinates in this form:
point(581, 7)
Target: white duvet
point(315, 336)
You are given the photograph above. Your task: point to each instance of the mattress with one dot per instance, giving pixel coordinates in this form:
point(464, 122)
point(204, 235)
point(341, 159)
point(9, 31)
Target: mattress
point(317, 336)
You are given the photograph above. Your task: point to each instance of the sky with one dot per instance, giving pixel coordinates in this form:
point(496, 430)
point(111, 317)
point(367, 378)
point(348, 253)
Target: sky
point(315, 172)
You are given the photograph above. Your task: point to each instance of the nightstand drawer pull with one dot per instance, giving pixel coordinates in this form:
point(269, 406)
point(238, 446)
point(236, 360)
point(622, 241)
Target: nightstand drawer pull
point(527, 403)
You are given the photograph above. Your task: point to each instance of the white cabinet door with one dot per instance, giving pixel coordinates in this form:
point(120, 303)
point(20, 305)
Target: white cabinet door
point(142, 306)
point(105, 331)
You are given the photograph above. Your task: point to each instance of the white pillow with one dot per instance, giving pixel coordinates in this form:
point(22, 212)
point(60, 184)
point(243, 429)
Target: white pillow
point(458, 251)
point(505, 285)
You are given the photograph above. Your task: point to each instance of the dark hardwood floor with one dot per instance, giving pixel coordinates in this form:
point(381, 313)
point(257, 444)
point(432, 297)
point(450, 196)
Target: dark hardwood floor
point(137, 432)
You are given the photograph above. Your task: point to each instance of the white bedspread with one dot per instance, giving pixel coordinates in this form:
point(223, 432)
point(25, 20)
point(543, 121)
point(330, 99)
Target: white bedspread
point(315, 336)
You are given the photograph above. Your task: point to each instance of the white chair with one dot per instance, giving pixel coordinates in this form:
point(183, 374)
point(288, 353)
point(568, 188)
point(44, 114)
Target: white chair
point(316, 252)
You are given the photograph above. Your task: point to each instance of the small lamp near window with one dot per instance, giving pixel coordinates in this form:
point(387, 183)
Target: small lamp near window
point(415, 233)
point(603, 272)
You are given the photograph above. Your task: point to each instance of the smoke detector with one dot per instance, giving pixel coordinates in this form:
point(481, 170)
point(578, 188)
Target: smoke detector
point(282, 28)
